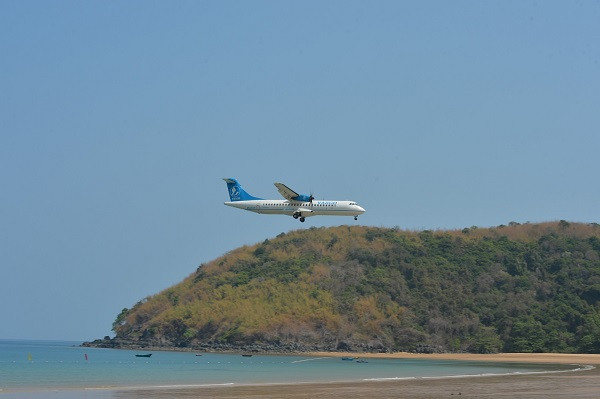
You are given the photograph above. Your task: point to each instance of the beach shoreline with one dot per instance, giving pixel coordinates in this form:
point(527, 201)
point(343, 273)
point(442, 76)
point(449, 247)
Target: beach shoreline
point(578, 385)
point(578, 382)
point(558, 358)
point(581, 384)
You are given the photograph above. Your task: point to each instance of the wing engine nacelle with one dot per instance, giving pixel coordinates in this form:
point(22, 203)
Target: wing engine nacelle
point(304, 198)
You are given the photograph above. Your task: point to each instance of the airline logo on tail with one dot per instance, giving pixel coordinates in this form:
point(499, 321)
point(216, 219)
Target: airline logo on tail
point(234, 193)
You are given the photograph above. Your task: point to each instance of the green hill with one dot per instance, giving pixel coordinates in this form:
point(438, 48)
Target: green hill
point(517, 288)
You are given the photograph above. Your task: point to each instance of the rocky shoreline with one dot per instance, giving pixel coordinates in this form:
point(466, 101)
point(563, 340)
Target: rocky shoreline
point(270, 348)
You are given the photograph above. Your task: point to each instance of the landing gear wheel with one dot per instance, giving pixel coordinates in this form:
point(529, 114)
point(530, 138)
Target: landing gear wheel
point(302, 219)
point(355, 217)
point(295, 216)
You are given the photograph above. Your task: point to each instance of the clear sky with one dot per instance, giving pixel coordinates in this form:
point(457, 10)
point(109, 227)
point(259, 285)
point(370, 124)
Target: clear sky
point(119, 119)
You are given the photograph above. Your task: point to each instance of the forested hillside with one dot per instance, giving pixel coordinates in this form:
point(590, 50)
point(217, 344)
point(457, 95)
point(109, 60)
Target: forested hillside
point(516, 288)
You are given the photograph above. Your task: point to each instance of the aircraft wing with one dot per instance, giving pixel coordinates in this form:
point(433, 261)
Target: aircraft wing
point(285, 191)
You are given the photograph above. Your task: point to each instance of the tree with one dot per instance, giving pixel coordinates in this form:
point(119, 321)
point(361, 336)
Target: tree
point(527, 335)
point(120, 320)
point(485, 340)
point(590, 334)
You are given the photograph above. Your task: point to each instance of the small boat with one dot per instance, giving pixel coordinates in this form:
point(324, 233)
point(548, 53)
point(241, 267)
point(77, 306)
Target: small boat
point(146, 355)
point(349, 358)
point(198, 354)
point(361, 361)
point(247, 355)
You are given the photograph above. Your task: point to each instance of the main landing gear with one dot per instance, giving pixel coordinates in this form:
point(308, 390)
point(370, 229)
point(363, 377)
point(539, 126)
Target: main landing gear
point(355, 217)
point(297, 215)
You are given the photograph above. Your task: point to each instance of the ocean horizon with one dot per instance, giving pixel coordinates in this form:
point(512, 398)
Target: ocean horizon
point(47, 368)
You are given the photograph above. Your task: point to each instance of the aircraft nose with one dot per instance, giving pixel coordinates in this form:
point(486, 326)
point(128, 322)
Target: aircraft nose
point(360, 209)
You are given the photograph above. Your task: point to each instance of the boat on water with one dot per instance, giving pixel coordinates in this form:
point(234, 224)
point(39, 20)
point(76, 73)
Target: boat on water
point(247, 355)
point(361, 361)
point(349, 358)
point(146, 355)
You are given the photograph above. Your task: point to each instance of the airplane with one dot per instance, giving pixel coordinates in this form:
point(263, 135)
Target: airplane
point(299, 206)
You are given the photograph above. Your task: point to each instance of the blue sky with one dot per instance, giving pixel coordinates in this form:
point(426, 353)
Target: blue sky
point(119, 119)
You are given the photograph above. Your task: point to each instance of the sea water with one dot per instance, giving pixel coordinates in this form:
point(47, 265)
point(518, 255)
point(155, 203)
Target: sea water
point(30, 366)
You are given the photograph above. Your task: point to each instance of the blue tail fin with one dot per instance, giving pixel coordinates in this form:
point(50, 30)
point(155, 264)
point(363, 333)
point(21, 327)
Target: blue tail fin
point(236, 192)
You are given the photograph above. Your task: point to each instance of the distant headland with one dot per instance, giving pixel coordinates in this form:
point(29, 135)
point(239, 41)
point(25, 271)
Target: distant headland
point(531, 287)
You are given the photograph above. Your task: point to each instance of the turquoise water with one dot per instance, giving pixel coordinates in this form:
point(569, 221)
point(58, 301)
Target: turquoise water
point(63, 365)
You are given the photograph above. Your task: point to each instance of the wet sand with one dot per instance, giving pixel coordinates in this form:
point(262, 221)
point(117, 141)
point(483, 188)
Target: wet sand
point(577, 384)
point(558, 358)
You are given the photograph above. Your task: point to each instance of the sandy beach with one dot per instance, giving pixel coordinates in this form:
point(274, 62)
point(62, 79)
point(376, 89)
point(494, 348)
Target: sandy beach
point(575, 384)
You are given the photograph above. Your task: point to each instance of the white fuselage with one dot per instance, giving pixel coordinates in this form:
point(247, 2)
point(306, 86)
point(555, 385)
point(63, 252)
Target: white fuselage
point(304, 209)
